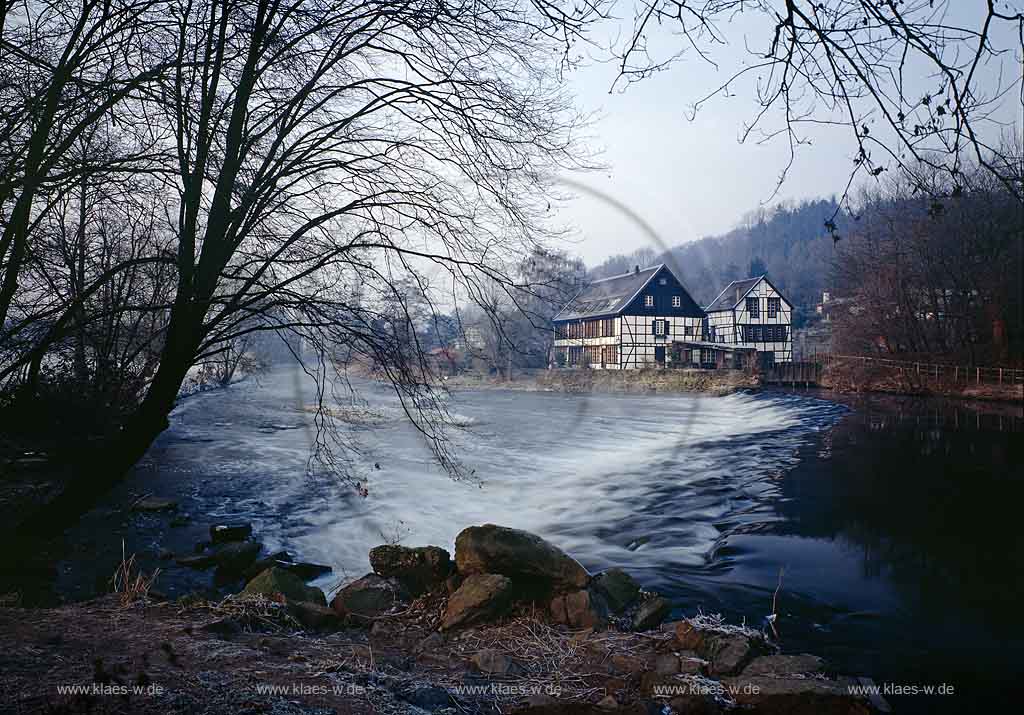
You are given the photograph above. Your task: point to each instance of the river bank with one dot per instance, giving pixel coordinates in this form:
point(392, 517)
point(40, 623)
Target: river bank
point(511, 624)
point(710, 382)
point(840, 377)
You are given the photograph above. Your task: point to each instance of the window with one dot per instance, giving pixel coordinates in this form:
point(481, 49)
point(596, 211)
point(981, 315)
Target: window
point(677, 301)
point(774, 305)
point(659, 327)
point(648, 301)
point(755, 334)
point(663, 281)
point(753, 309)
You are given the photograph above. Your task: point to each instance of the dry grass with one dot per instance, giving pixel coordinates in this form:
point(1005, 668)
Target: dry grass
point(252, 612)
point(130, 582)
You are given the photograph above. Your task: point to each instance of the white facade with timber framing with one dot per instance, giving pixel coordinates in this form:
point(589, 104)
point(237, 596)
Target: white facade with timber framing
point(627, 321)
point(752, 313)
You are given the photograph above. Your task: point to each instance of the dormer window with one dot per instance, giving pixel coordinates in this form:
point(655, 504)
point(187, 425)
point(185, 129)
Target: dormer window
point(648, 301)
point(677, 301)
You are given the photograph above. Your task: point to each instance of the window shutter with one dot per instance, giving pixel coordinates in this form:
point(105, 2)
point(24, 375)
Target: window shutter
point(654, 327)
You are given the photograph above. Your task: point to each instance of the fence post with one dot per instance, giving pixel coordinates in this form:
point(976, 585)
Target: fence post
point(1000, 376)
point(956, 374)
point(977, 375)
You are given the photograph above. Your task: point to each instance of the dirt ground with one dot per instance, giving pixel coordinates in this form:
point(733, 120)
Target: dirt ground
point(106, 657)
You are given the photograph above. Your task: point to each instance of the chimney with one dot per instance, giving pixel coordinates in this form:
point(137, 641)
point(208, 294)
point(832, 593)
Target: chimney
point(636, 269)
point(737, 296)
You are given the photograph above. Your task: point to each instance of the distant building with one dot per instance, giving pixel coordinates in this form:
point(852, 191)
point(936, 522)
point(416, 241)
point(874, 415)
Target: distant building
point(646, 318)
point(627, 321)
point(752, 313)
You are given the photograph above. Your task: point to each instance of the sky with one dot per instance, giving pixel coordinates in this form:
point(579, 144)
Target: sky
point(689, 178)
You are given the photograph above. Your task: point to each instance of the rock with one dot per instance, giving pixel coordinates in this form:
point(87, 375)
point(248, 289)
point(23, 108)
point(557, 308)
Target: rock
point(314, 616)
point(452, 583)
point(624, 663)
point(276, 582)
point(585, 608)
point(608, 703)
point(651, 613)
point(779, 666)
point(794, 696)
point(196, 561)
point(689, 637)
point(233, 558)
point(516, 553)
point(280, 559)
point(368, 596)
point(428, 697)
point(151, 503)
point(492, 661)
point(223, 627)
point(305, 570)
point(479, 598)
point(726, 654)
point(223, 533)
point(666, 664)
point(618, 588)
point(419, 570)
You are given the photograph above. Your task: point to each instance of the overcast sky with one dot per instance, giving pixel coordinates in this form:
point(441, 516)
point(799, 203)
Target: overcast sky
point(689, 179)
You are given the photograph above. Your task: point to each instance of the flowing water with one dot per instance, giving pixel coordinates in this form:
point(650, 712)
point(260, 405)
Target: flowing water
point(887, 526)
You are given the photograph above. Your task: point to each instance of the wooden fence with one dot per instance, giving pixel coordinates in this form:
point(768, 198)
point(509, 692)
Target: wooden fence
point(955, 374)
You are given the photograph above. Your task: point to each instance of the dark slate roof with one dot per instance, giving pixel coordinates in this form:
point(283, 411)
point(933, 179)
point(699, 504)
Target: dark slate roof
point(733, 294)
point(607, 296)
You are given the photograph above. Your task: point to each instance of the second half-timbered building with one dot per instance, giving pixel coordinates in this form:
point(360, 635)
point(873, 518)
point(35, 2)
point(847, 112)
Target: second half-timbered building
point(752, 313)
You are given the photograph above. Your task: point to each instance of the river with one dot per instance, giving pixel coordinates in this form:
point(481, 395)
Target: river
point(887, 525)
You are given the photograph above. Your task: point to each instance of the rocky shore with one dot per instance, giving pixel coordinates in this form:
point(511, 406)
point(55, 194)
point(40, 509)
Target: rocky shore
point(511, 624)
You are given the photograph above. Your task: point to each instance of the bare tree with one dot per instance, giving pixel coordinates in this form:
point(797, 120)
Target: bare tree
point(917, 82)
point(327, 147)
point(64, 68)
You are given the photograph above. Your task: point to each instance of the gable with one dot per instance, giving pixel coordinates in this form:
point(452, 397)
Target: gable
point(662, 287)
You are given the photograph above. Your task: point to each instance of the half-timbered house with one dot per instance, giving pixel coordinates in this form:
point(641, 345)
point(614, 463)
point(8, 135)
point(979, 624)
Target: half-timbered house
point(627, 321)
point(752, 313)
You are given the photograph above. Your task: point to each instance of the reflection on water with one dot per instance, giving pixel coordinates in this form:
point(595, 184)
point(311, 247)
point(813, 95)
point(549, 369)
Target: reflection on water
point(891, 522)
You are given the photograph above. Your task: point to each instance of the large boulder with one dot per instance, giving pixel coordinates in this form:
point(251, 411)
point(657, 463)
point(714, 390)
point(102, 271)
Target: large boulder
point(689, 636)
point(726, 654)
point(419, 569)
point(369, 596)
point(531, 560)
point(223, 533)
point(233, 558)
point(481, 597)
point(651, 613)
point(314, 616)
point(794, 696)
point(585, 608)
point(152, 503)
point(781, 666)
point(618, 588)
point(277, 583)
